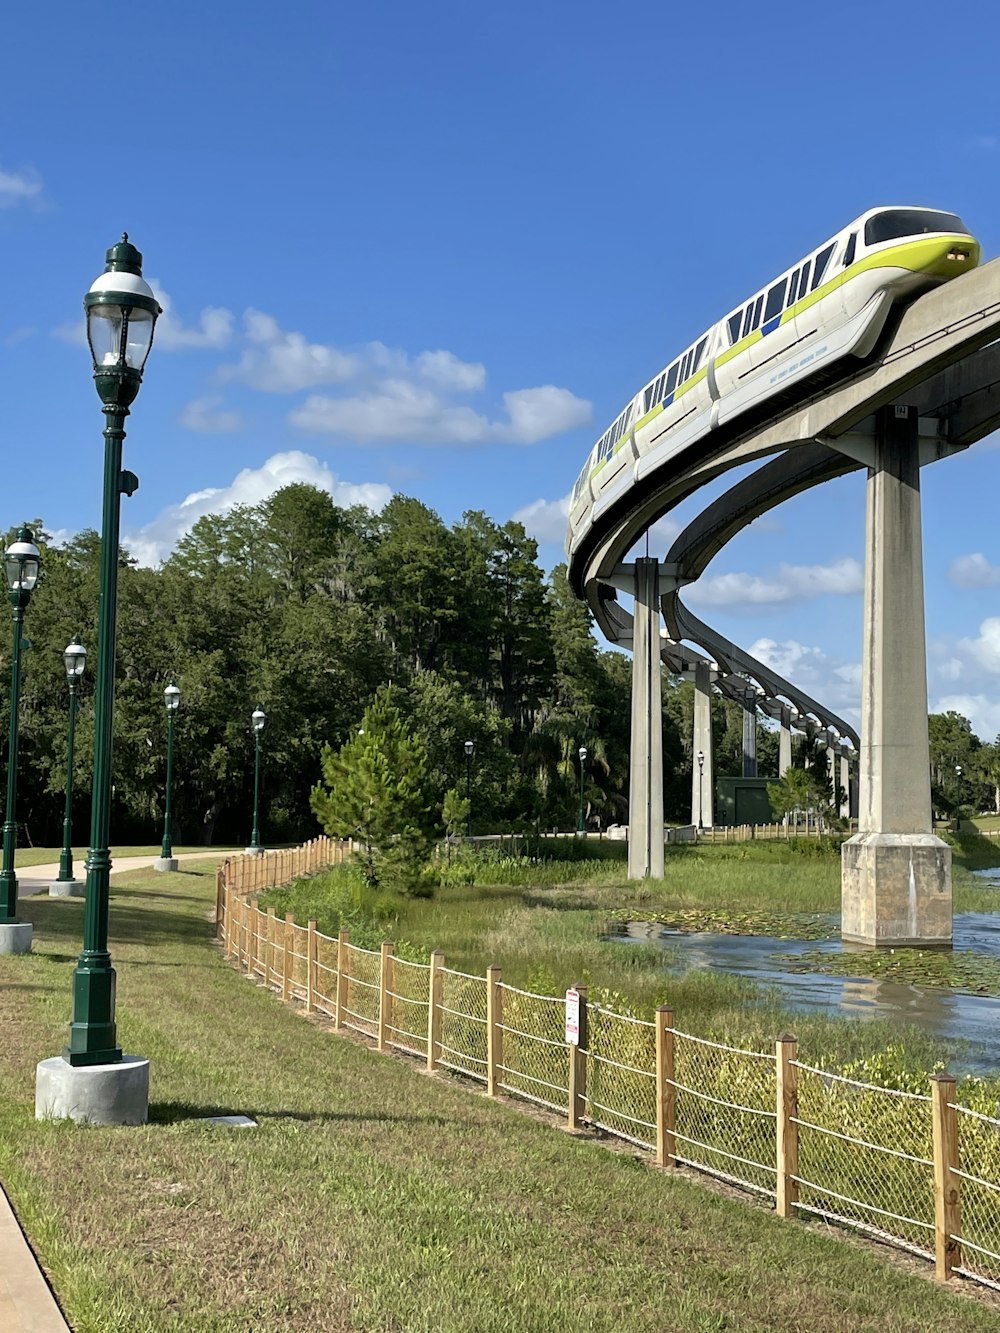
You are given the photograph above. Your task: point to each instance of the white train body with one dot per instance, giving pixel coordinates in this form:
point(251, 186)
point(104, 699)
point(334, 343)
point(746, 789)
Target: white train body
point(832, 304)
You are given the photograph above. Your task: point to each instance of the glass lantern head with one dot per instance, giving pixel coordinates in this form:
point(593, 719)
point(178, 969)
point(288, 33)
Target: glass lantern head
point(469, 748)
point(121, 313)
point(257, 718)
point(22, 563)
point(75, 658)
point(172, 698)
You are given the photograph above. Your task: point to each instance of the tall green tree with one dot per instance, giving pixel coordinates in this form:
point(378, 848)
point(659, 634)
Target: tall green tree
point(373, 791)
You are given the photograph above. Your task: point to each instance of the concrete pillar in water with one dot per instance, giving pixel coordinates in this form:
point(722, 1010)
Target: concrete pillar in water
point(645, 821)
point(703, 774)
point(895, 874)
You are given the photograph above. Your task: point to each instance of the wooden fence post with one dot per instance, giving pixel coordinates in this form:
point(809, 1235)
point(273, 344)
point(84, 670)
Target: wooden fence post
point(947, 1198)
point(311, 965)
point(578, 1067)
point(269, 955)
point(435, 997)
point(666, 1092)
point(787, 1106)
point(220, 889)
point(384, 994)
point(343, 979)
point(494, 1030)
point(287, 935)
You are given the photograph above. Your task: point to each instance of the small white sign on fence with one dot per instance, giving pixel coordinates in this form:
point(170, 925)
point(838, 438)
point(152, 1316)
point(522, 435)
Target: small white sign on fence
point(573, 1017)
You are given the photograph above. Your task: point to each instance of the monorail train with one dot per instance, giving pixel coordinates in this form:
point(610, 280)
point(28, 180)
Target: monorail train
point(833, 303)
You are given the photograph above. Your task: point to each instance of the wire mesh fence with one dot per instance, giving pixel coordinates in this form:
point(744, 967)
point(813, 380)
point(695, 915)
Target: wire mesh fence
point(920, 1171)
point(865, 1157)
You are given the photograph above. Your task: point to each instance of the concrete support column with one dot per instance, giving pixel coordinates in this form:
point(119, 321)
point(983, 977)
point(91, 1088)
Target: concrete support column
point(832, 767)
point(750, 734)
point(896, 875)
point(785, 742)
point(703, 776)
point(845, 786)
point(645, 823)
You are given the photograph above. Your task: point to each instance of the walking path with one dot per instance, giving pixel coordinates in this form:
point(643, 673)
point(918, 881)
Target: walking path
point(27, 1304)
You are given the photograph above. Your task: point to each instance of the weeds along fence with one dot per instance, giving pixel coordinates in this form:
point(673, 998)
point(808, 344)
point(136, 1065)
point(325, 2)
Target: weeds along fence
point(916, 1170)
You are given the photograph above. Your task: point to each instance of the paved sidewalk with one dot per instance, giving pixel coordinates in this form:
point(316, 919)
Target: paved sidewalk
point(26, 1302)
point(36, 879)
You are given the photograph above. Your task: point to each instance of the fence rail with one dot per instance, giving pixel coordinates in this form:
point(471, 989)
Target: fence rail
point(919, 1171)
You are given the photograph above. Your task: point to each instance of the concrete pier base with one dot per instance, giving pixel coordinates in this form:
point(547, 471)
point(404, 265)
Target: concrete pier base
point(896, 890)
point(16, 937)
point(166, 863)
point(895, 874)
point(68, 888)
point(253, 851)
point(115, 1094)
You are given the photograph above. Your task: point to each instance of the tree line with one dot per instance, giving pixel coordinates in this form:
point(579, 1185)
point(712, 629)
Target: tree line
point(307, 610)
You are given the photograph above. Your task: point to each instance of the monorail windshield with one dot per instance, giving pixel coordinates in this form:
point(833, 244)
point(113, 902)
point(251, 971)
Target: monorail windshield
point(896, 222)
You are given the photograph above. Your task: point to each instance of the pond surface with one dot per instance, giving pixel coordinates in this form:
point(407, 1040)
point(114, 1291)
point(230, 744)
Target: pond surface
point(967, 1025)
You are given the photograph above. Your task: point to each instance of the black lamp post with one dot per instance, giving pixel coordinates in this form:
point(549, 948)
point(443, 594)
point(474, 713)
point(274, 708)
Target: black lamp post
point(21, 564)
point(257, 719)
point(581, 826)
point(470, 749)
point(121, 312)
point(75, 659)
point(172, 699)
point(958, 803)
point(701, 779)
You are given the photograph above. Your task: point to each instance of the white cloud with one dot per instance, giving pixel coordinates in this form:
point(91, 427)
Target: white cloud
point(214, 328)
point(449, 372)
point(832, 681)
point(401, 410)
point(153, 543)
point(788, 583)
point(538, 414)
point(974, 571)
point(208, 417)
point(985, 651)
point(545, 520)
point(19, 187)
point(280, 362)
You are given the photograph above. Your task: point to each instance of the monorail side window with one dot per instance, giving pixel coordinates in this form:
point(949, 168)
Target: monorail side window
point(793, 287)
point(734, 327)
point(756, 312)
point(775, 300)
point(804, 284)
point(659, 388)
point(698, 355)
point(748, 316)
point(822, 259)
point(896, 222)
point(647, 401)
point(671, 379)
point(852, 246)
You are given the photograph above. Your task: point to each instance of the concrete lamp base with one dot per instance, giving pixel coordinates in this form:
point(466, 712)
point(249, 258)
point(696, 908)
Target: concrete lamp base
point(16, 937)
point(253, 851)
point(165, 863)
point(116, 1094)
point(896, 890)
point(68, 888)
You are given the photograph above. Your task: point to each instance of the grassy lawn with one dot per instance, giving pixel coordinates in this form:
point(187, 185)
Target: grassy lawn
point(371, 1196)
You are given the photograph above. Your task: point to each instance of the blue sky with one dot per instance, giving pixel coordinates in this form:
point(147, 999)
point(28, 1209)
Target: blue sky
point(434, 249)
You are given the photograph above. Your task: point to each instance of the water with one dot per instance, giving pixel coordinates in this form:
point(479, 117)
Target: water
point(968, 1026)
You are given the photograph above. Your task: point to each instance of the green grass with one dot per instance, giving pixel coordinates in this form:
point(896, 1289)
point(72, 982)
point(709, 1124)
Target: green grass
point(370, 1197)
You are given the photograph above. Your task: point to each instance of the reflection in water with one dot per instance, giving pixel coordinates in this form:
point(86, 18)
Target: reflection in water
point(968, 1025)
